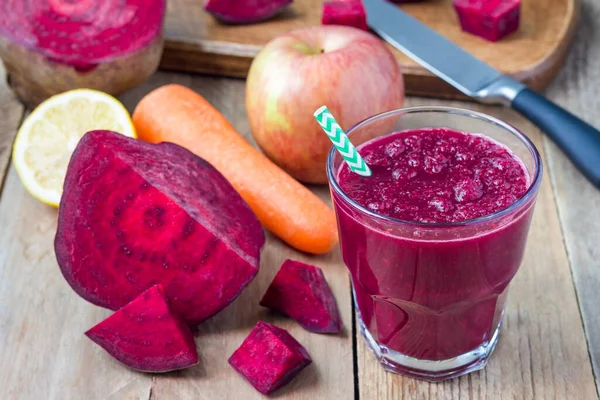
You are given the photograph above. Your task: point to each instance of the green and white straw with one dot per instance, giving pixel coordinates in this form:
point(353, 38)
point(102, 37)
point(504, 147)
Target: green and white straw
point(341, 142)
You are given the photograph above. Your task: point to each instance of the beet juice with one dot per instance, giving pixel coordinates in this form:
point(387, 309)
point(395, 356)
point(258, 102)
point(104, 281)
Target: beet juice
point(434, 236)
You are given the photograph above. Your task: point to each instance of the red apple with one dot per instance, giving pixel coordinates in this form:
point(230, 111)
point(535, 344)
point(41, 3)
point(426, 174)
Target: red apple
point(349, 70)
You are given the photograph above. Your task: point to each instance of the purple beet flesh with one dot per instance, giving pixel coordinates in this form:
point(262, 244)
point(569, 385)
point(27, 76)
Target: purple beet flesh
point(489, 19)
point(134, 214)
point(345, 12)
point(269, 358)
point(301, 292)
point(145, 335)
point(244, 11)
point(50, 46)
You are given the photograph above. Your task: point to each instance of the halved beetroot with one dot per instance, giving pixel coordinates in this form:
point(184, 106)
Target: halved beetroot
point(490, 19)
point(50, 46)
point(301, 292)
point(244, 11)
point(135, 214)
point(345, 12)
point(146, 335)
point(269, 358)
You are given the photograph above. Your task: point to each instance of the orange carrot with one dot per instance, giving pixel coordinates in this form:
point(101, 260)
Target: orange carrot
point(176, 114)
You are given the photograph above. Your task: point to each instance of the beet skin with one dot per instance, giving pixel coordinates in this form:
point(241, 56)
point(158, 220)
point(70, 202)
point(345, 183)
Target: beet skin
point(134, 214)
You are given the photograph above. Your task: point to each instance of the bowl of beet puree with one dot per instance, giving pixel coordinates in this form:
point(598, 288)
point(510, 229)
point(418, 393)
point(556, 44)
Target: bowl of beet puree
point(433, 238)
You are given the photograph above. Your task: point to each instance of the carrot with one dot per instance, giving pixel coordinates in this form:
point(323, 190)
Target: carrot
point(177, 114)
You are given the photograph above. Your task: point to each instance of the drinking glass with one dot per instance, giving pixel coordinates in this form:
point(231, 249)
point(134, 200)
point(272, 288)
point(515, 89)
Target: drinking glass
point(430, 297)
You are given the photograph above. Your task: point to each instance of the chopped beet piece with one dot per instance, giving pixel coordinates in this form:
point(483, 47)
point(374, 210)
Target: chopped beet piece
point(245, 11)
point(269, 358)
point(490, 19)
point(146, 335)
point(301, 292)
point(134, 214)
point(345, 12)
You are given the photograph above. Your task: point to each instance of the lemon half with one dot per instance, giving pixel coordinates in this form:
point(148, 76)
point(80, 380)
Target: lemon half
point(48, 136)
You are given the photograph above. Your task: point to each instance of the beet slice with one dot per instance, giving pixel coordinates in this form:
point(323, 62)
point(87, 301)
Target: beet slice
point(489, 19)
point(244, 11)
point(269, 358)
point(134, 214)
point(345, 12)
point(301, 292)
point(50, 46)
point(146, 335)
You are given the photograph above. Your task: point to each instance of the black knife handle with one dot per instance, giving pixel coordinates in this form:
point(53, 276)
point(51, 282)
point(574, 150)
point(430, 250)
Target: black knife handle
point(579, 140)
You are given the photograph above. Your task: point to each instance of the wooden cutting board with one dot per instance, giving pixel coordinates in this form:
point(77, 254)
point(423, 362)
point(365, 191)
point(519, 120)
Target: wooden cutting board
point(196, 42)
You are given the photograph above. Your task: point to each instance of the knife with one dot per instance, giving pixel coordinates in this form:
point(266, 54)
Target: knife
point(579, 140)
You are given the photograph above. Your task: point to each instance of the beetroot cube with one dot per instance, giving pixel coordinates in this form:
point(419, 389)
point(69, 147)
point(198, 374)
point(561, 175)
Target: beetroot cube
point(490, 19)
point(301, 292)
point(146, 335)
point(345, 12)
point(269, 358)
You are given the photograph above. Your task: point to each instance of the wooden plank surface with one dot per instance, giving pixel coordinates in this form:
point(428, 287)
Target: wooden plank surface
point(542, 352)
point(197, 42)
point(46, 356)
point(578, 201)
point(11, 112)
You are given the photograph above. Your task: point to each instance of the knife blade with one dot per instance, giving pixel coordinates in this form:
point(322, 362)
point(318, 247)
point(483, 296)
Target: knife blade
point(579, 140)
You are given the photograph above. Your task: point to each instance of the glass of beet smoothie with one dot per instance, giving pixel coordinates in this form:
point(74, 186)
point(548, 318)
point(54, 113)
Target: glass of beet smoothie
point(433, 238)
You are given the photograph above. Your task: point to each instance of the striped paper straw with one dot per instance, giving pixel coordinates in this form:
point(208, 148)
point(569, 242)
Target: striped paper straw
point(341, 142)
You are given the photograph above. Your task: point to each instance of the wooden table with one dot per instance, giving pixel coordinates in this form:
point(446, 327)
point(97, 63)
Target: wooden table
point(550, 342)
